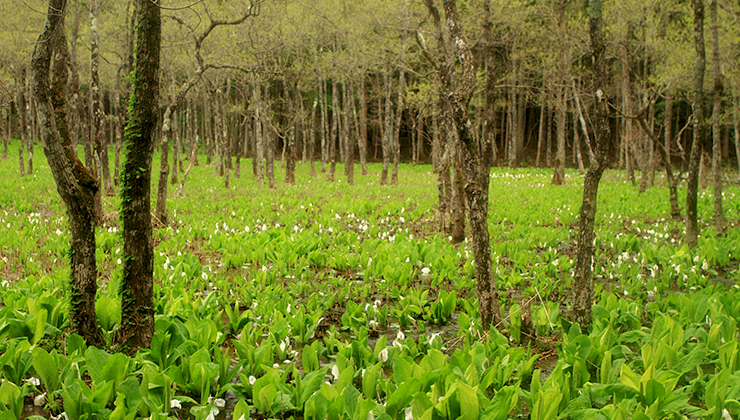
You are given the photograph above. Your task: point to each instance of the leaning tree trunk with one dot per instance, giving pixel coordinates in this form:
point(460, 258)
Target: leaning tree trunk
point(582, 286)
point(720, 223)
point(692, 185)
point(137, 306)
point(74, 183)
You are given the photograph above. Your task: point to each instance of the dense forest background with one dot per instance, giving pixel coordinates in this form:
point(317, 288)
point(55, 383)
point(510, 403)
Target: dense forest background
point(292, 79)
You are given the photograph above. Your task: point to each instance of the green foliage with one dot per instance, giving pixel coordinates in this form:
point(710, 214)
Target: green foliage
point(249, 304)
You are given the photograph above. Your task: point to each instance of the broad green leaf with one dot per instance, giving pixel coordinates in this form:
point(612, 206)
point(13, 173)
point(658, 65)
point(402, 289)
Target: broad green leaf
point(46, 366)
point(468, 398)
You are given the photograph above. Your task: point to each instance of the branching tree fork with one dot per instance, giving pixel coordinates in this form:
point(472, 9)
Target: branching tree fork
point(174, 102)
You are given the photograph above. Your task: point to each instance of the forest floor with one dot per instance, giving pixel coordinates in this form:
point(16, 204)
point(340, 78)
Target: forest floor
point(329, 300)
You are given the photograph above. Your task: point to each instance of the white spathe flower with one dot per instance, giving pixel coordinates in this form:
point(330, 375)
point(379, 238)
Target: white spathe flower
point(408, 414)
point(383, 355)
point(175, 404)
point(275, 365)
point(335, 372)
point(726, 415)
point(118, 261)
point(39, 400)
point(400, 335)
point(252, 380)
point(371, 415)
point(34, 381)
point(219, 403)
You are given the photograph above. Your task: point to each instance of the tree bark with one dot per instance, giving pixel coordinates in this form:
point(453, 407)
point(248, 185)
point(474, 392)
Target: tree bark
point(396, 142)
point(362, 141)
point(386, 137)
point(458, 88)
point(289, 133)
point(21, 101)
point(160, 213)
point(259, 134)
point(541, 131)
point(692, 187)
point(720, 223)
point(334, 133)
point(137, 307)
point(96, 108)
point(558, 176)
point(457, 201)
point(349, 153)
point(176, 143)
point(582, 287)
point(666, 156)
point(736, 128)
point(74, 183)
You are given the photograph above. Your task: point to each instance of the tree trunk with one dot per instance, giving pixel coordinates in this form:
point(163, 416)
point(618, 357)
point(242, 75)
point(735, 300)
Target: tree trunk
point(176, 142)
point(558, 177)
point(627, 130)
point(577, 146)
point(270, 158)
point(457, 95)
point(259, 134)
point(21, 101)
point(74, 183)
point(5, 130)
point(362, 141)
point(541, 131)
point(164, 168)
point(692, 187)
point(207, 129)
point(396, 143)
point(736, 127)
point(137, 307)
point(96, 114)
point(349, 153)
point(386, 137)
point(334, 133)
point(582, 285)
point(98, 117)
point(548, 151)
point(324, 135)
point(457, 201)
point(720, 223)
point(312, 136)
point(666, 155)
point(289, 135)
